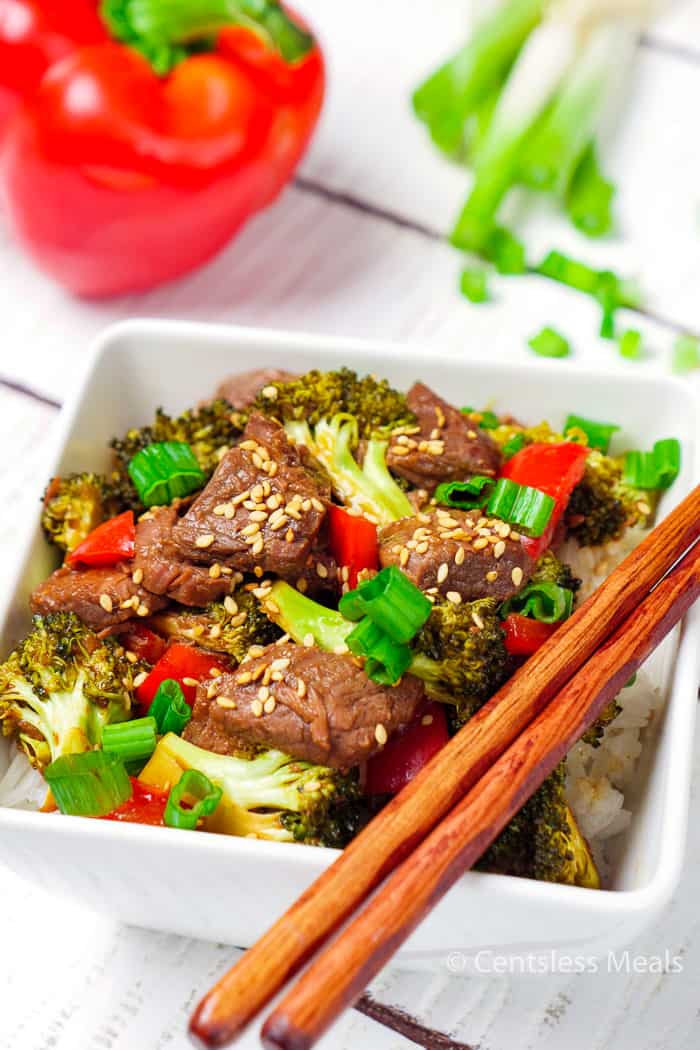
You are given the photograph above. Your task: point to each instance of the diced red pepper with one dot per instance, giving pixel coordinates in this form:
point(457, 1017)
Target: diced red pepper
point(406, 752)
point(185, 664)
point(111, 542)
point(143, 642)
point(146, 806)
point(353, 542)
point(552, 468)
point(524, 636)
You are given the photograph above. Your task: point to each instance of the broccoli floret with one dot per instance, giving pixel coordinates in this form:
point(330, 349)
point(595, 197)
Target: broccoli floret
point(315, 396)
point(548, 568)
point(209, 431)
point(602, 505)
point(543, 841)
point(301, 617)
point(268, 796)
point(223, 628)
point(368, 489)
point(75, 505)
point(461, 656)
point(61, 686)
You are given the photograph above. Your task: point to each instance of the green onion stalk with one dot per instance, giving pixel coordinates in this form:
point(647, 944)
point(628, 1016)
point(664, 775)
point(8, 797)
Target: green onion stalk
point(155, 26)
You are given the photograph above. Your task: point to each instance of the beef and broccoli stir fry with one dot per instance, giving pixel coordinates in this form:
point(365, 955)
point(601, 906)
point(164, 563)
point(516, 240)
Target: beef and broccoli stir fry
point(279, 605)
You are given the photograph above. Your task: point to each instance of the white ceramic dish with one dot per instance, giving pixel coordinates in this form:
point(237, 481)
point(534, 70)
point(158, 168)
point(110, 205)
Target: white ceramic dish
point(230, 889)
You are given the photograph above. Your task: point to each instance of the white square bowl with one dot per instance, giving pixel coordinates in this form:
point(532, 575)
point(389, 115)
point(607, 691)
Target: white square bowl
point(229, 889)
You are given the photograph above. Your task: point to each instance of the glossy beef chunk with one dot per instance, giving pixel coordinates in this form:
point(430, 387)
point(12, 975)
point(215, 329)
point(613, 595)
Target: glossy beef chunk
point(166, 571)
point(448, 446)
point(310, 704)
point(242, 389)
point(262, 509)
point(101, 598)
point(462, 556)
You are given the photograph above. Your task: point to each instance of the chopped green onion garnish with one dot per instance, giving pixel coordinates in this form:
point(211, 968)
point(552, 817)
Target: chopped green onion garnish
point(528, 508)
point(512, 446)
point(131, 741)
point(502, 498)
point(597, 434)
point(489, 421)
point(165, 471)
point(91, 784)
point(473, 285)
point(686, 354)
point(630, 344)
point(385, 660)
point(464, 495)
point(549, 343)
point(506, 252)
point(193, 797)
point(589, 197)
point(657, 469)
point(169, 708)
point(392, 602)
point(544, 601)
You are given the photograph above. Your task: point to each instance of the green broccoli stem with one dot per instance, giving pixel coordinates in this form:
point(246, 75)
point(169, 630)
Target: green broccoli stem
point(157, 24)
point(303, 618)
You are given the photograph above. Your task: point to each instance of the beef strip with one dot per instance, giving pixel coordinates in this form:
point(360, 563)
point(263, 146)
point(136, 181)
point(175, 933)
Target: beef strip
point(448, 446)
point(96, 596)
point(242, 389)
point(262, 509)
point(456, 553)
point(167, 572)
point(326, 710)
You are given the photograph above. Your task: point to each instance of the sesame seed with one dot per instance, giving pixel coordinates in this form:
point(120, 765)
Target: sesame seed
point(380, 734)
point(317, 505)
point(257, 461)
point(258, 547)
point(279, 523)
point(215, 631)
point(301, 688)
point(308, 640)
point(454, 596)
point(269, 705)
point(263, 693)
point(227, 703)
point(215, 571)
point(479, 544)
point(220, 509)
point(503, 529)
point(517, 575)
point(204, 541)
point(139, 679)
point(443, 572)
point(137, 576)
point(131, 657)
point(244, 677)
point(321, 570)
point(259, 515)
point(341, 649)
point(272, 468)
point(471, 434)
point(248, 445)
point(422, 547)
point(106, 602)
point(400, 450)
point(193, 682)
point(250, 530)
point(478, 622)
point(302, 585)
point(197, 631)
point(492, 576)
point(230, 605)
point(643, 507)
point(499, 549)
point(404, 556)
point(289, 536)
point(281, 663)
point(257, 708)
point(126, 604)
point(514, 535)
point(459, 555)
point(426, 720)
point(143, 610)
point(258, 571)
point(212, 689)
point(240, 498)
point(269, 392)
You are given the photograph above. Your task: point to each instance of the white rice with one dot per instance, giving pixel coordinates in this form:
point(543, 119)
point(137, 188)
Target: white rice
point(598, 777)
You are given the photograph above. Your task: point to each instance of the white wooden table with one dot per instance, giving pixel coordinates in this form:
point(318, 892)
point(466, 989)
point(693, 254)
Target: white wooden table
point(355, 247)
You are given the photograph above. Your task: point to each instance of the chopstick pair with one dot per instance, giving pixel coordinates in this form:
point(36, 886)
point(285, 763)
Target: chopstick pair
point(439, 825)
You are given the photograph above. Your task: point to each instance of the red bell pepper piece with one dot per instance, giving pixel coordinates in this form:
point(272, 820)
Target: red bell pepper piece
point(115, 178)
point(146, 806)
point(111, 542)
point(524, 636)
point(143, 643)
point(185, 664)
point(553, 468)
point(406, 752)
point(353, 542)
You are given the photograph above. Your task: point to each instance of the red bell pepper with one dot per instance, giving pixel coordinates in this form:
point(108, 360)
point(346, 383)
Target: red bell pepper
point(111, 542)
point(143, 642)
point(524, 636)
point(406, 752)
point(117, 178)
point(185, 664)
point(353, 542)
point(146, 806)
point(553, 468)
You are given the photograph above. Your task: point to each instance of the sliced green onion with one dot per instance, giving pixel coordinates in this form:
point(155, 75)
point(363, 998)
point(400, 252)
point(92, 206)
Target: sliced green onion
point(385, 660)
point(512, 446)
point(598, 435)
point(464, 495)
point(589, 197)
point(473, 285)
point(165, 471)
point(392, 602)
point(91, 784)
point(549, 343)
point(169, 709)
point(686, 354)
point(506, 252)
point(131, 741)
point(489, 421)
point(544, 601)
point(193, 797)
point(521, 505)
point(657, 469)
point(630, 344)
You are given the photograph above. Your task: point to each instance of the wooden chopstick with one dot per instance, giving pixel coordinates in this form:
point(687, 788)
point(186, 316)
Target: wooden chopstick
point(407, 819)
point(341, 971)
